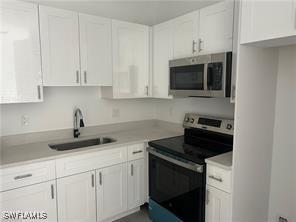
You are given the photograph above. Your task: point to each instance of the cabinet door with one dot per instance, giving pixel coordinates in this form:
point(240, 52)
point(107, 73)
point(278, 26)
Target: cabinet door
point(130, 60)
point(218, 206)
point(95, 50)
point(36, 198)
point(162, 53)
point(185, 35)
point(77, 198)
point(111, 191)
point(20, 76)
point(264, 20)
point(216, 28)
point(59, 47)
point(136, 183)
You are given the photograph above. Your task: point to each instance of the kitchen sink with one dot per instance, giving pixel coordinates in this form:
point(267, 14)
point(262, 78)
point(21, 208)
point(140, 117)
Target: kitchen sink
point(81, 143)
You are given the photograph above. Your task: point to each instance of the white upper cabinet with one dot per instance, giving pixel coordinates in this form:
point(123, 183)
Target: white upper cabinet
point(162, 53)
point(267, 20)
point(130, 60)
point(185, 35)
point(77, 198)
point(95, 50)
point(111, 191)
point(36, 198)
point(20, 75)
point(216, 28)
point(59, 47)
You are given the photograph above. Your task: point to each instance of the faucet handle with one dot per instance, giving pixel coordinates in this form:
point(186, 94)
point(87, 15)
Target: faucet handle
point(81, 123)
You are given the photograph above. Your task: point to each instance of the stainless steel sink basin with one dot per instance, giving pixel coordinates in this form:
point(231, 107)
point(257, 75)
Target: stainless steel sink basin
point(81, 143)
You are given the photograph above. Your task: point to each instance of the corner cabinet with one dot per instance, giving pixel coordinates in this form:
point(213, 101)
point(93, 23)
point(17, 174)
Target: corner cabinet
point(20, 77)
point(162, 53)
point(268, 20)
point(77, 198)
point(130, 61)
point(59, 47)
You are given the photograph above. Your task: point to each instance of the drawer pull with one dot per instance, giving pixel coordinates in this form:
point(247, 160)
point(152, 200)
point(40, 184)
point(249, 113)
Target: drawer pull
point(23, 176)
point(52, 191)
point(139, 151)
point(100, 177)
point(93, 180)
point(215, 178)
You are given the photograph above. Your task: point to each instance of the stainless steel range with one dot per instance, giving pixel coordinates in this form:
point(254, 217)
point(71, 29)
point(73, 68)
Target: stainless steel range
point(177, 169)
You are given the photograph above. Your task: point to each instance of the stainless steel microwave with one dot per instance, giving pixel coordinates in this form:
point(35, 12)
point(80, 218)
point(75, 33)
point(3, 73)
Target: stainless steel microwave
point(201, 76)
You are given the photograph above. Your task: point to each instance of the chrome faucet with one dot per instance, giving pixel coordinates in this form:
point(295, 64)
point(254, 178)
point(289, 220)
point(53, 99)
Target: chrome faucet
point(78, 122)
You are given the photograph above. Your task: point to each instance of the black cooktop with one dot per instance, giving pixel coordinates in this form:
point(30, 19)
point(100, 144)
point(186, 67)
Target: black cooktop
point(177, 146)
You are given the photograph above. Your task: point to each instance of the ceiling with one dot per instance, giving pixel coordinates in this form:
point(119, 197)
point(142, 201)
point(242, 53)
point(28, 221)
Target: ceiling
point(139, 11)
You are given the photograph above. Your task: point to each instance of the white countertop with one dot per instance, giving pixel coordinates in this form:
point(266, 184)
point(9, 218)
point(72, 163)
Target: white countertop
point(224, 161)
point(40, 151)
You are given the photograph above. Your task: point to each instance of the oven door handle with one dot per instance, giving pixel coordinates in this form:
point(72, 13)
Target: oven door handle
point(188, 165)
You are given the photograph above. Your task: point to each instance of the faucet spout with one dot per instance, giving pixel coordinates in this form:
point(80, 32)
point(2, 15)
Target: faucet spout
point(78, 122)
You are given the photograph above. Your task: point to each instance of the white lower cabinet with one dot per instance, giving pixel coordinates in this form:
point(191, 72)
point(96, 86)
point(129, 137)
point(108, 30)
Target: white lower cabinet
point(111, 191)
point(77, 198)
point(218, 205)
point(136, 183)
point(40, 198)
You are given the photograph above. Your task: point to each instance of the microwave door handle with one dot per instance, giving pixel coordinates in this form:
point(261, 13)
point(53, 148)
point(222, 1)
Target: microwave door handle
point(206, 77)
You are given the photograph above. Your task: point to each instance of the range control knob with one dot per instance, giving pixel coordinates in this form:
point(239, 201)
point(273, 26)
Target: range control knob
point(192, 120)
point(186, 119)
point(229, 126)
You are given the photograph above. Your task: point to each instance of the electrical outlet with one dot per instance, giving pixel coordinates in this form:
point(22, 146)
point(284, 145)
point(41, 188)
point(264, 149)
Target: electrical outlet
point(115, 113)
point(282, 219)
point(25, 120)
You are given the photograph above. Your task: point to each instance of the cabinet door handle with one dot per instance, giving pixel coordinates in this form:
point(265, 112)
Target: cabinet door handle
point(193, 46)
point(233, 92)
point(23, 176)
point(39, 91)
point(147, 90)
point(207, 197)
point(93, 180)
point(138, 151)
point(85, 77)
point(215, 178)
point(200, 41)
point(77, 76)
point(132, 169)
point(100, 178)
point(52, 191)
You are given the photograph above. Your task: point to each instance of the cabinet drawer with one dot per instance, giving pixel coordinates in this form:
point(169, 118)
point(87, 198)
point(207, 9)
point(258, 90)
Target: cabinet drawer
point(24, 175)
point(136, 151)
point(219, 178)
point(90, 161)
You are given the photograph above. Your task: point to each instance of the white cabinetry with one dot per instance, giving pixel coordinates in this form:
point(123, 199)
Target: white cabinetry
point(136, 183)
point(185, 35)
point(95, 50)
point(218, 194)
point(77, 198)
point(20, 62)
point(59, 46)
point(111, 191)
point(130, 61)
point(162, 53)
point(218, 206)
point(35, 198)
point(266, 20)
point(216, 28)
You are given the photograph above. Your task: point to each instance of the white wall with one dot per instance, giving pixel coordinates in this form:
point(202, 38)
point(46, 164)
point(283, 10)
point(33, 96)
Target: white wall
point(174, 110)
point(283, 176)
point(56, 112)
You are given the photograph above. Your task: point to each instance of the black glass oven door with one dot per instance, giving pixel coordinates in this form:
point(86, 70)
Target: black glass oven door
point(180, 190)
point(187, 77)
